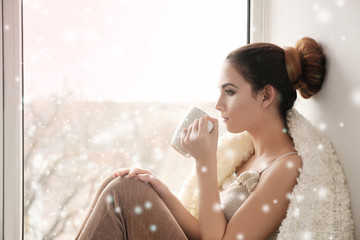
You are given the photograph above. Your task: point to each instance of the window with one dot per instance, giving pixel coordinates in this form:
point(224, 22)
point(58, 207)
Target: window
point(105, 86)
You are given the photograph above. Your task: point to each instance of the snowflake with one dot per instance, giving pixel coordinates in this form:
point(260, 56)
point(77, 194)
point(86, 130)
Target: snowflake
point(288, 195)
point(300, 197)
point(229, 153)
point(322, 126)
point(265, 208)
point(296, 212)
point(263, 164)
point(148, 205)
point(117, 209)
point(153, 227)
point(356, 97)
point(138, 210)
point(289, 164)
point(322, 193)
point(320, 147)
point(239, 236)
point(242, 196)
point(324, 16)
point(204, 169)
point(109, 199)
point(217, 207)
point(340, 3)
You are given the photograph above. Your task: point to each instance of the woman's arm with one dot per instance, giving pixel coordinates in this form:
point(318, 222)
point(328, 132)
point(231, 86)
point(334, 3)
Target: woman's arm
point(187, 222)
point(211, 216)
point(202, 146)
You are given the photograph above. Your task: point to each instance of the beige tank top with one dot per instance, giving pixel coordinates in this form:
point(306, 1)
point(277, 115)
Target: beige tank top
point(236, 189)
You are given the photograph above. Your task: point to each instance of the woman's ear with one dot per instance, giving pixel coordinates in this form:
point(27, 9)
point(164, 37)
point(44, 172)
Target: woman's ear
point(268, 95)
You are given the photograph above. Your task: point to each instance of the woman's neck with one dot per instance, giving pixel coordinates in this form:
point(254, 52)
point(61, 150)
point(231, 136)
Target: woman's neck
point(270, 139)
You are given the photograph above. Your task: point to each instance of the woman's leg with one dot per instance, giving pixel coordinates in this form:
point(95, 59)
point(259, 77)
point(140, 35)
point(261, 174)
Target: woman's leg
point(127, 208)
point(97, 195)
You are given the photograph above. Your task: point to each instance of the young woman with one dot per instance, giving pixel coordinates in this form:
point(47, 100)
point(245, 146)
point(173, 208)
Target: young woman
point(257, 88)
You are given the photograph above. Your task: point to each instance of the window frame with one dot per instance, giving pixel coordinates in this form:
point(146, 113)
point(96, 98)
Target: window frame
point(11, 120)
point(257, 20)
point(11, 114)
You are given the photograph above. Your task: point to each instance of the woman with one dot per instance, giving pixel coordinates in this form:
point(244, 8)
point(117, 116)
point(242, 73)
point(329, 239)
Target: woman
point(257, 88)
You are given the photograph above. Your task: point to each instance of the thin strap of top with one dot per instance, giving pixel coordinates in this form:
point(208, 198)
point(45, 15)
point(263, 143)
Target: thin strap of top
point(276, 160)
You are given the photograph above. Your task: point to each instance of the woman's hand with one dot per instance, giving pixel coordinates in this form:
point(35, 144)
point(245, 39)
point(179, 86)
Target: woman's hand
point(146, 176)
point(199, 143)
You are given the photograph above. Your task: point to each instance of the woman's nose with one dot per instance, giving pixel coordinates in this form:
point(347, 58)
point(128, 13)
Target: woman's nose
point(218, 105)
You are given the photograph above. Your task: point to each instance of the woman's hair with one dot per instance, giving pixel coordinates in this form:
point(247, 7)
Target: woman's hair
point(287, 69)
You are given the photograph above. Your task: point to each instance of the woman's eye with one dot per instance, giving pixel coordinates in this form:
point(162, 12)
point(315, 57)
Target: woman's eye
point(229, 92)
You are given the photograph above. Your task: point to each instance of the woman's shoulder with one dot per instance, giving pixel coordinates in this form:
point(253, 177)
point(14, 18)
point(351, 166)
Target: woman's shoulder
point(282, 174)
point(289, 162)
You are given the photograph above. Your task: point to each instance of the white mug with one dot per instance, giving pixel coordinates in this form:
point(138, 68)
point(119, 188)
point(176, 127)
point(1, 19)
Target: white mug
point(192, 114)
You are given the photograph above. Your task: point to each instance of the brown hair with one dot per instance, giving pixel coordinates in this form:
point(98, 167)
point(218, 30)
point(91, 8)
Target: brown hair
point(287, 70)
point(305, 65)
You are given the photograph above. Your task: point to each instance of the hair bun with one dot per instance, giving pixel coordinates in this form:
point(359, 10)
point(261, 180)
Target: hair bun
point(305, 65)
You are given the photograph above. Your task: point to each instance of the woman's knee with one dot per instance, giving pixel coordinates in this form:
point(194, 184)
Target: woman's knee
point(129, 187)
point(128, 193)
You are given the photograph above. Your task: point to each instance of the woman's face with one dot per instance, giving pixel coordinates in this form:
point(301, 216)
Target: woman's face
point(239, 109)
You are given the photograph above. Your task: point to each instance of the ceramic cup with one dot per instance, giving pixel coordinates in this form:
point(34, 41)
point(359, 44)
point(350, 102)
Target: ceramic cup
point(191, 115)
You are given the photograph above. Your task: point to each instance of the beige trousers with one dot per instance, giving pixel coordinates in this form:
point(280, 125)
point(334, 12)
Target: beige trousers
point(128, 208)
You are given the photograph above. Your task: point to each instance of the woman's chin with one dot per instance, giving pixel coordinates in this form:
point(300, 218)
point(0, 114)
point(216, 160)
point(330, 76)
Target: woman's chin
point(232, 130)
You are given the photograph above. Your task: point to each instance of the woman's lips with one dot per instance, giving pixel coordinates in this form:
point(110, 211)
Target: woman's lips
point(225, 119)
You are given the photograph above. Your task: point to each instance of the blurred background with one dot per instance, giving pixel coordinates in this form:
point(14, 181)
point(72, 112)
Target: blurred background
point(105, 85)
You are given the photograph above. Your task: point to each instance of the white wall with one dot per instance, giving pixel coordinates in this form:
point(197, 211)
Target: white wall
point(335, 24)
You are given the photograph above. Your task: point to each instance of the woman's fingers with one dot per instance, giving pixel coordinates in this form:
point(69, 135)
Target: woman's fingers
point(187, 134)
point(132, 172)
point(213, 120)
point(121, 172)
point(142, 174)
point(216, 125)
point(195, 125)
point(137, 171)
point(203, 124)
point(189, 131)
point(145, 177)
point(183, 136)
